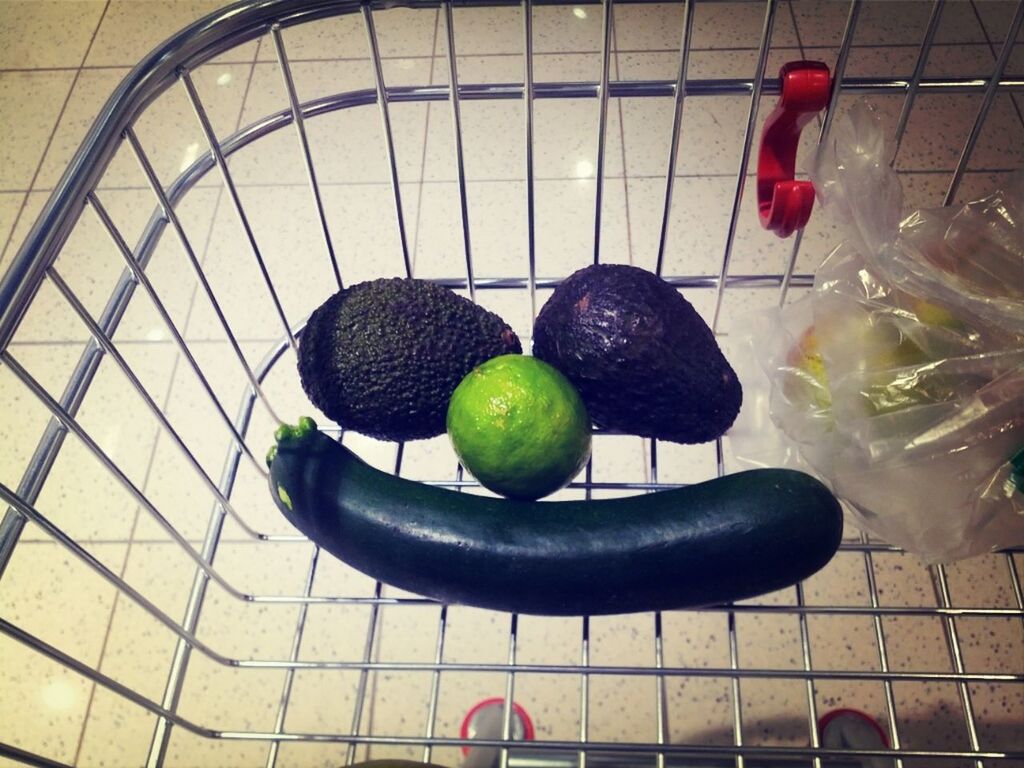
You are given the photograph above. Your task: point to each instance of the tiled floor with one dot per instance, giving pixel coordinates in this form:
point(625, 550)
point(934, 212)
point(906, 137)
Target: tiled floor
point(59, 61)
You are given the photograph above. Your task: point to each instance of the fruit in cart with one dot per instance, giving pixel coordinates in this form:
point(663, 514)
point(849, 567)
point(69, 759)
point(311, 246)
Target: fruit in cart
point(519, 427)
point(383, 357)
point(641, 357)
point(730, 538)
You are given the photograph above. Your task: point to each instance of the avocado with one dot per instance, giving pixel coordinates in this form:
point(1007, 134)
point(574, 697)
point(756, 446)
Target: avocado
point(641, 357)
point(383, 357)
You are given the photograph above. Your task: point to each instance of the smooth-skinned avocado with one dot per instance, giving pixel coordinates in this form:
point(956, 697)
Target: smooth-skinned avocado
point(383, 357)
point(641, 357)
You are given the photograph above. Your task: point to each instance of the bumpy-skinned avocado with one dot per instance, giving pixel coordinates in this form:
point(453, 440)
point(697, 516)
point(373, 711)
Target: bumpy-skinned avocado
point(383, 357)
point(641, 357)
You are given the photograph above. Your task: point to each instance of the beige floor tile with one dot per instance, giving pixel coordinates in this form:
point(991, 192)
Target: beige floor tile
point(723, 25)
point(31, 103)
point(564, 227)
point(43, 704)
point(401, 32)
point(362, 221)
point(67, 28)
point(168, 129)
point(138, 654)
point(346, 146)
point(80, 495)
point(128, 33)
point(497, 30)
point(821, 22)
point(91, 265)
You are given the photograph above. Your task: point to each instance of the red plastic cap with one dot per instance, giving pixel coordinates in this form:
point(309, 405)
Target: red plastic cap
point(784, 204)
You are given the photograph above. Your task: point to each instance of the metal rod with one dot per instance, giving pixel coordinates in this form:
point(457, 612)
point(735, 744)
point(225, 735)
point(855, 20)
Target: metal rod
point(140, 276)
point(602, 121)
point(805, 648)
point(661, 699)
point(883, 653)
point(435, 683)
point(741, 175)
point(1018, 593)
point(915, 80)
point(677, 124)
point(990, 94)
point(389, 141)
point(371, 635)
point(29, 758)
point(307, 156)
point(737, 706)
point(236, 201)
point(584, 692)
point(956, 654)
point(172, 217)
point(460, 165)
point(528, 94)
point(108, 346)
point(581, 760)
point(289, 676)
point(826, 127)
point(510, 682)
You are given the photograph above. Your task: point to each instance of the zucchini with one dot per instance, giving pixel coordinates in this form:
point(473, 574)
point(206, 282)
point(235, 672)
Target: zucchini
point(726, 539)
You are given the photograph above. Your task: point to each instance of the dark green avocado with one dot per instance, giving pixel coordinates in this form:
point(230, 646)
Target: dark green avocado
point(641, 357)
point(383, 357)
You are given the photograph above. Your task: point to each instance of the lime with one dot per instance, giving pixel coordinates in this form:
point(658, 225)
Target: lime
point(519, 427)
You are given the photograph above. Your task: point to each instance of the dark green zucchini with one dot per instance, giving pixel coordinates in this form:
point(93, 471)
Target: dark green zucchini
point(727, 539)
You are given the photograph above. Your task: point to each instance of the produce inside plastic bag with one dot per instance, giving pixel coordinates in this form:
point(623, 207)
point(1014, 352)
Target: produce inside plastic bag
point(900, 379)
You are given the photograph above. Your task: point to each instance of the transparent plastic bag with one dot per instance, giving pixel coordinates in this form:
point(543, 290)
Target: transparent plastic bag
point(900, 379)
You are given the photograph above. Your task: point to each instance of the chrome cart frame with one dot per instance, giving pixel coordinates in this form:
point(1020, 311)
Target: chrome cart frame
point(169, 67)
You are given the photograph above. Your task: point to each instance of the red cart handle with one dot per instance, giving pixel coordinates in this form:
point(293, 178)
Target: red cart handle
point(784, 204)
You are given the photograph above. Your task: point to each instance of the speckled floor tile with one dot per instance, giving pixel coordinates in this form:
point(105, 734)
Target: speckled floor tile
point(401, 32)
point(42, 704)
point(168, 130)
point(564, 226)
point(658, 26)
point(362, 222)
point(67, 26)
point(126, 35)
point(821, 22)
point(91, 265)
point(80, 495)
point(138, 653)
point(31, 103)
point(346, 146)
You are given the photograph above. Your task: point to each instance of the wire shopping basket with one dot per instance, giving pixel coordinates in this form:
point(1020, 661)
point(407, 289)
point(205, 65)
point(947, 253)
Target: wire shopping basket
point(265, 652)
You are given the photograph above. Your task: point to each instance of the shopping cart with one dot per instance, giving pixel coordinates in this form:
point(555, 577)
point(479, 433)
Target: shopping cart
point(366, 670)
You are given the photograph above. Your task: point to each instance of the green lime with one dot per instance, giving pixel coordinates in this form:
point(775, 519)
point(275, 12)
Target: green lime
point(519, 427)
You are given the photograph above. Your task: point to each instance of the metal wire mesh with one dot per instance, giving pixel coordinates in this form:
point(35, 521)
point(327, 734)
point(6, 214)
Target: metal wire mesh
point(173, 67)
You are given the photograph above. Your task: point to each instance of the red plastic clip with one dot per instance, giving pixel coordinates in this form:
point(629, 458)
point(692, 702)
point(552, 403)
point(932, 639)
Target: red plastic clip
point(783, 203)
